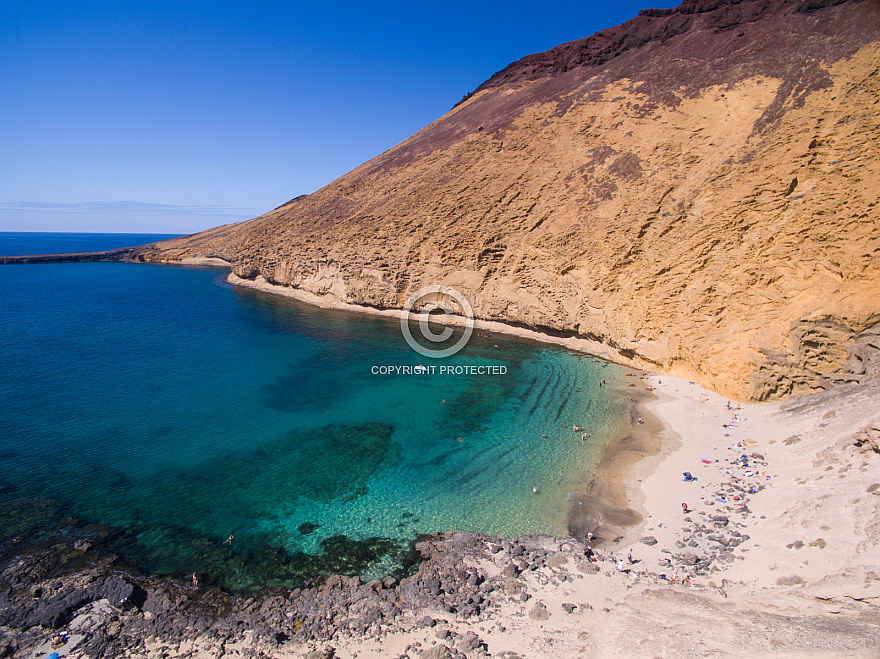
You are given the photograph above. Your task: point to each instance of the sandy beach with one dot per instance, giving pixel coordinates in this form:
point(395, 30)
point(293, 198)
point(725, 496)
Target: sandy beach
point(794, 571)
point(793, 540)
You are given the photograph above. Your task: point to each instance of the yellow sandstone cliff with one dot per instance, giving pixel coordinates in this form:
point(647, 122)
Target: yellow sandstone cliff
point(695, 189)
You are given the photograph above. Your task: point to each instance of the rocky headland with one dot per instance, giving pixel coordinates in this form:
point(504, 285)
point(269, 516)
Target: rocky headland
point(693, 192)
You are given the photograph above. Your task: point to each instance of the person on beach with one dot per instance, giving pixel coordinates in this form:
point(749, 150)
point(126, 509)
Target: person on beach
point(684, 508)
point(629, 557)
point(195, 580)
point(620, 565)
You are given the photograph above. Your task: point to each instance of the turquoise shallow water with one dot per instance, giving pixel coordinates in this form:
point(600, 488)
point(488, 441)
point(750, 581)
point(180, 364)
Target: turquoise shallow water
point(161, 401)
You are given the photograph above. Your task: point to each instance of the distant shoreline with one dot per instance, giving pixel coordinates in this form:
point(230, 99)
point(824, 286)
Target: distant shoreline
point(119, 254)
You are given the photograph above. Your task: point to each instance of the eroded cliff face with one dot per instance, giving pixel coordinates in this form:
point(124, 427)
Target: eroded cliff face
point(695, 189)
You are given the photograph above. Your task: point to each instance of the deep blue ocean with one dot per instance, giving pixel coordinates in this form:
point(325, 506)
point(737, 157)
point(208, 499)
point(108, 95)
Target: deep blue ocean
point(23, 243)
point(162, 401)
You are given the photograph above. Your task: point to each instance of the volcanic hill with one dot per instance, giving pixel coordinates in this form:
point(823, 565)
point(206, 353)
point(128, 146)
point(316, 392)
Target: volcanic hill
point(694, 192)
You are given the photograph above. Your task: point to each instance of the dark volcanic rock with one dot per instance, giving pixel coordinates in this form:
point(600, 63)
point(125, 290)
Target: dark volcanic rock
point(124, 595)
point(307, 527)
point(651, 27)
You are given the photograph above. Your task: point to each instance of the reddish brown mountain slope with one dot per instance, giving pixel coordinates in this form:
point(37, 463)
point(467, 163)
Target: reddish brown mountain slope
point(695, 190)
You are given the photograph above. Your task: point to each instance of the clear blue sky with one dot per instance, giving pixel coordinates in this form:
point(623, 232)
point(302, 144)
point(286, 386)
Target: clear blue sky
point(177, 116)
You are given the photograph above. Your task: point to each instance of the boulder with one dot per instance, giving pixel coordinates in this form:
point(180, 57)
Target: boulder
point(689, 558)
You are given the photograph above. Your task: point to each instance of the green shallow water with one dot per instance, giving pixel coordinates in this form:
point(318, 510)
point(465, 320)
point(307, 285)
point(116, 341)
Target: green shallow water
point(161, 401)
